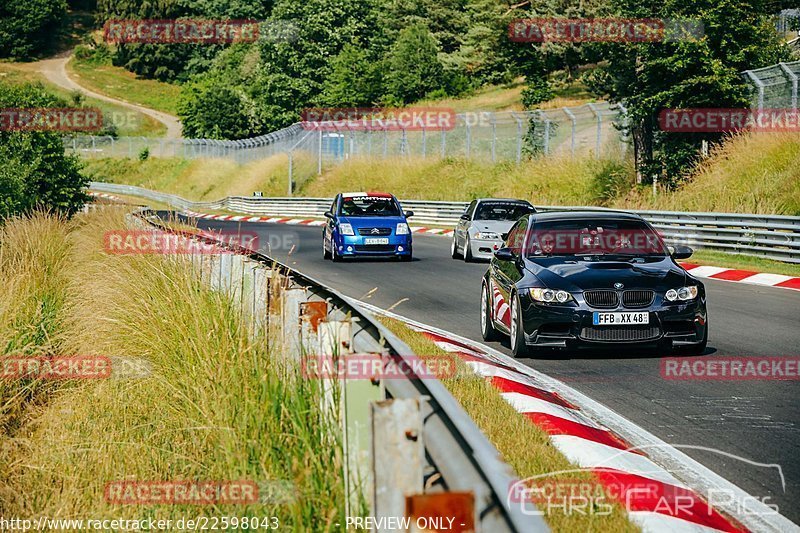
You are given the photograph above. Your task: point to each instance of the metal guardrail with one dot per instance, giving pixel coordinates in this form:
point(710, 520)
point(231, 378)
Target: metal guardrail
point(770, 236)
point(455, 448)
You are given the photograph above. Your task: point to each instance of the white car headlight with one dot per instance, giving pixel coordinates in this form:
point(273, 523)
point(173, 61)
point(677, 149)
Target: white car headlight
point(346, 229)
point(402, 229)
point(487, 236)
point(549, 295)
point(684, 294)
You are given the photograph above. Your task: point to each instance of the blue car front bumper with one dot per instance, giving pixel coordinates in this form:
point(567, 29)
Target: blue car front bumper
point(355, 245)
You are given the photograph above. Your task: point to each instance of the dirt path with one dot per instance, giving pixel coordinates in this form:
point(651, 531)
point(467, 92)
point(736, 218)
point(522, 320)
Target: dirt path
point(55, 71)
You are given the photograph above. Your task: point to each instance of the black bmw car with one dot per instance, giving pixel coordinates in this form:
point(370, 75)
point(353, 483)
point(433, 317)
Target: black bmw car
point(591, 278)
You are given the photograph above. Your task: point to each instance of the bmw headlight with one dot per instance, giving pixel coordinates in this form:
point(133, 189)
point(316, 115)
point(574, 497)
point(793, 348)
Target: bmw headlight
point(487, 236)
point(683, 294)
point(402, 229)
point(549, 296)
point(346, 229)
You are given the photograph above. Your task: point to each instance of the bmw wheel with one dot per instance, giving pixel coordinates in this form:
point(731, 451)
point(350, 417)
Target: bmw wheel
point(487, 326)
point(467, 251)
point(518, 347)
point(454, 248)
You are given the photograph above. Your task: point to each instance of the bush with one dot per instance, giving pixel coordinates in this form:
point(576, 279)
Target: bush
point(412, 66)
point(35, 173)
point(29, 26)
point(144, 154)
point(536, 92)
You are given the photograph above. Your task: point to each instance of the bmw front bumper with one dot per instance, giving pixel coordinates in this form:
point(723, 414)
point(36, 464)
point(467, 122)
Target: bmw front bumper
point(484, 249)
point(571, 325)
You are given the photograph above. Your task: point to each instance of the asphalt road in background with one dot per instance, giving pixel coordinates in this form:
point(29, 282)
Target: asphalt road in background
point(758, 421)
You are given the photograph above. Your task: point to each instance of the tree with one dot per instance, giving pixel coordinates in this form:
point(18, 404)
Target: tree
point(28, 27)
point(35, 173)
point(353, 80)
point(699, 73)
point(412, 66)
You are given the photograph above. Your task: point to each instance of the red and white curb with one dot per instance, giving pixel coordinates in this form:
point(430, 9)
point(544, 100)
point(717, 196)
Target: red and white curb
point(581, 429)
point(301, 221)
point(743, 276)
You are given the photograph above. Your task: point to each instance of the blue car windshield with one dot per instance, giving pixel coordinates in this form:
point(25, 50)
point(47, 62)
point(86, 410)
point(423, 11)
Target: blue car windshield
point(369, 206)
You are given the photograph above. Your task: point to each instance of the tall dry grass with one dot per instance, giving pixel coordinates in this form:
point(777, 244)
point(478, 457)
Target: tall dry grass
point(35, 272)
point(212, 403)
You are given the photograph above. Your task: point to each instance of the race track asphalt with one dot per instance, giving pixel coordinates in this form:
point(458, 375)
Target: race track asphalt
point(758, 421)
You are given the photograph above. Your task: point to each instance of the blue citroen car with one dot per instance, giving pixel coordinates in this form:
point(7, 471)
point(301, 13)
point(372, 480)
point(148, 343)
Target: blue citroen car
point(366, 224)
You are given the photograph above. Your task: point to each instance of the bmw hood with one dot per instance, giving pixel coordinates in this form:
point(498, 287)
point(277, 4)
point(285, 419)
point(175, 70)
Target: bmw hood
point(579, 274)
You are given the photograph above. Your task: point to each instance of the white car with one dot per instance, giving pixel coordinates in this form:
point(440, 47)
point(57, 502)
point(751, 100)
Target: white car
point(483, 226)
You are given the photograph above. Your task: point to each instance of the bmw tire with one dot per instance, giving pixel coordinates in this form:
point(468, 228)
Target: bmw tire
point(517, 336)
point(454, 248)
point(467, 251)
point(487, 325)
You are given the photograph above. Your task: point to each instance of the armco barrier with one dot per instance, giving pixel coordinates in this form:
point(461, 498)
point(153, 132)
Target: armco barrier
point(771, 236)
point(457, 456)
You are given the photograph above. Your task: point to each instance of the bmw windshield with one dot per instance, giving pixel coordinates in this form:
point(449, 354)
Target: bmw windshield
point(502, 211)
point(600, 237)
point(369, 206)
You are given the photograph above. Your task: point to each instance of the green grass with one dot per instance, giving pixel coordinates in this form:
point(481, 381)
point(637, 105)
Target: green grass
point(124, 85)
point(521, 444)
point(196, 179)
point(130, 122)
point(216, 405)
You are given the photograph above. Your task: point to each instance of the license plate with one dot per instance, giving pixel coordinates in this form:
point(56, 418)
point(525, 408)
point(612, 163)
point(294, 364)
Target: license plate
point(376, 240)
point(620, 319)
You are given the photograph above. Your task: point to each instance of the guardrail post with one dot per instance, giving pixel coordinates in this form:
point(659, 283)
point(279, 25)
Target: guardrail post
point(398, 455)
point(290, 320)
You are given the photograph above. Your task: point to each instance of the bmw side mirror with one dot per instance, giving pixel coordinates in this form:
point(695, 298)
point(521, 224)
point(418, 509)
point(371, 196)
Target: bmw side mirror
point(409, 214)
point(504, 254)
point(465, 217)
point(682, 252)
point(328, 214)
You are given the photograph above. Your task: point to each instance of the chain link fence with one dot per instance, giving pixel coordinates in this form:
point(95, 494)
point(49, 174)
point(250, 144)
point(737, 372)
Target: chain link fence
point(774, 86)
point(482, 135)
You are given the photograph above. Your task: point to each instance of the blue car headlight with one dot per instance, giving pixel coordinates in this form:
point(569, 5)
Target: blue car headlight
point(402, 229)
point(346, 229)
